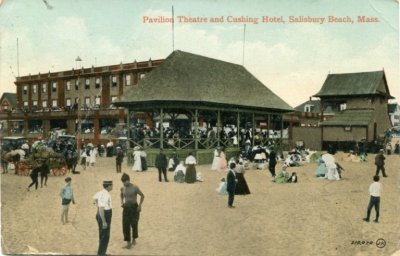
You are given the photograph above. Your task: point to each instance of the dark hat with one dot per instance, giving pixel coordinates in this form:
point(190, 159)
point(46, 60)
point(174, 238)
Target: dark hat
point(107, 182)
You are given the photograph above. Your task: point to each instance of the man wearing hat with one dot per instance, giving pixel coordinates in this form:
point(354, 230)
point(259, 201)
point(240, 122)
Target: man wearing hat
point(102, 199)
point(231, 184)
point(119, 158)
point(380, 163)
point(162, 164)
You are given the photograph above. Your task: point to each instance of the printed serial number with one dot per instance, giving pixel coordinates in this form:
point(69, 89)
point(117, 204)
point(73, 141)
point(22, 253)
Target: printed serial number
point(361, 242)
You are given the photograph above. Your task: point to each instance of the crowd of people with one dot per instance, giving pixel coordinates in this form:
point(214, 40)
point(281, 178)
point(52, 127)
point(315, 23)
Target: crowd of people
point(231, 184)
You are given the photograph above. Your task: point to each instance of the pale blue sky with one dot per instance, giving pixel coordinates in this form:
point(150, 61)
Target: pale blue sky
point(291, 59)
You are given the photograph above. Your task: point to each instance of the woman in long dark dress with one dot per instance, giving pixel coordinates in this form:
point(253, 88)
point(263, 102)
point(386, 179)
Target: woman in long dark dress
point(190, 175)
point(241, 186)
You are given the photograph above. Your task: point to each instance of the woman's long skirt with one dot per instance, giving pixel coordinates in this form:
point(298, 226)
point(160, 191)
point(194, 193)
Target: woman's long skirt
point(190, 176)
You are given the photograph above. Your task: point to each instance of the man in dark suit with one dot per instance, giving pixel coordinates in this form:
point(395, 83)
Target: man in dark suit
point(231, 184)
point(161, 165)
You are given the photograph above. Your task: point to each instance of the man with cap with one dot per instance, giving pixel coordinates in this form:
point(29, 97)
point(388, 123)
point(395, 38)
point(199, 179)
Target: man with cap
point(380, 163)
point(102, 199)
point(231, 184)
point(119, 158)
point(131, 210)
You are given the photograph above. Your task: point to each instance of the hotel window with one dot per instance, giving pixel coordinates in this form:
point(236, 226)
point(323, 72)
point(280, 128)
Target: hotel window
point(35, 103)
point(114, 98)
point(87, 101)
point(54, 103)
point(25, 88)
point(44, 88)
point(97, 84)
point(25, 104)
point(114, 81)
point(342, 106)
point(44, 104)
point(34, 88)
point(128, 80)
point(141, 76)
point(76, 84)
point(68, 85)
point(87, 83)
point(97, 100)
point(68, 103)
point(54, 87)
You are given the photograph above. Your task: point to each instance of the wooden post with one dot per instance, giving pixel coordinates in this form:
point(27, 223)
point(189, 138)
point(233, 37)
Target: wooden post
point(281, 131)
point(196, 127)
point(237, 129)
point(218, 126)
point(128, 128)
point(254, 129)
point(161, 128)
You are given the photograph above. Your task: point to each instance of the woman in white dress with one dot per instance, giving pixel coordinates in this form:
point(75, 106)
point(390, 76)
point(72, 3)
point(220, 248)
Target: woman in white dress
point(137, 165)
point(215, 163)
point(92, 158)
point(223, 163)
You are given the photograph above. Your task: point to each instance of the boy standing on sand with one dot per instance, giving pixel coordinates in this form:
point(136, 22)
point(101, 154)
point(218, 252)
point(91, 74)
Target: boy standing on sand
point(375, 199)
point(67, 195)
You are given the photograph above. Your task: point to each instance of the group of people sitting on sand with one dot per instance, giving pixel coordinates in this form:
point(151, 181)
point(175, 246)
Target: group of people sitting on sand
point(186, 171)
point(328, 168)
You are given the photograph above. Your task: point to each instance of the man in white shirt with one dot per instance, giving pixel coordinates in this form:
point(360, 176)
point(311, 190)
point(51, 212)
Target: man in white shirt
point(375, 192)
point(102, 199)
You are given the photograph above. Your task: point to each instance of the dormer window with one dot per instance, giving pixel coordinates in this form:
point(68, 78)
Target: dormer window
point(309, 108)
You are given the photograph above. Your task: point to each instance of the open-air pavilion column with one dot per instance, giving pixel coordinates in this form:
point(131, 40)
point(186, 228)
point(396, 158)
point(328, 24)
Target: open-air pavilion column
point(238, 129)
point(218, 127)
point(268, 125)
point(196, 128)
point(162, 128)
point(253, 121)
point(128, 128)
point(281, 139)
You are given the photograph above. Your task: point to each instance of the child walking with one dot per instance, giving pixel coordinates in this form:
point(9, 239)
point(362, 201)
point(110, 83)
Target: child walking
point(375, 199)
point(67, 195)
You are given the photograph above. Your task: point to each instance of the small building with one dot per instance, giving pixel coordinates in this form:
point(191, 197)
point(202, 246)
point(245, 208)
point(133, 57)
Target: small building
point(8, 102)
point(359, 106)
point(308, 113)
point(394, 113)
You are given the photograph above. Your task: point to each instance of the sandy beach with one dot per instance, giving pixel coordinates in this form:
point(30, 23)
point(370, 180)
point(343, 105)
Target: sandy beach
point(312, 217)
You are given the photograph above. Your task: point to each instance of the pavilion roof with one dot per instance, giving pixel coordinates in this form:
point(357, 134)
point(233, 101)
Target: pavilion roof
point(193, 79)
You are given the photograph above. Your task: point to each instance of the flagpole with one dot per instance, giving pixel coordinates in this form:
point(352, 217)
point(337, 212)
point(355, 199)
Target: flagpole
point(17, 57)
point(244, 42)
point(173, 29)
